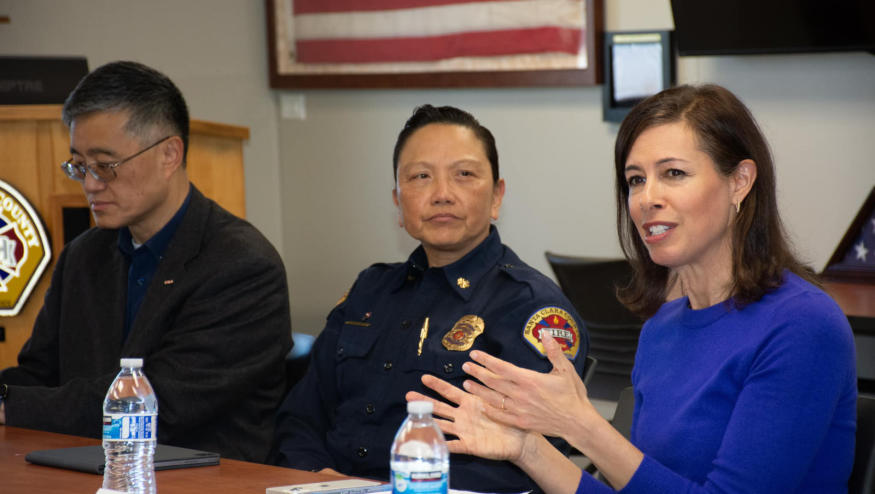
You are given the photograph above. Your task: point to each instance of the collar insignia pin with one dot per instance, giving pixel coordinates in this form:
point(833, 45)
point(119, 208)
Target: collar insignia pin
point(463, 283)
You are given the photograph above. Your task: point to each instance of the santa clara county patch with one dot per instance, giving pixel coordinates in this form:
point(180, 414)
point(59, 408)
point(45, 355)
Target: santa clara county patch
point(560, 325)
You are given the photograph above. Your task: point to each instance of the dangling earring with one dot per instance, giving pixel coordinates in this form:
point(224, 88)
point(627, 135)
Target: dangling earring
point(737, 207)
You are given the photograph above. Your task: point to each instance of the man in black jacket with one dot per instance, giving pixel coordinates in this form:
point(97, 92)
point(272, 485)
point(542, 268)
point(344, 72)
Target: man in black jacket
point(167, 275)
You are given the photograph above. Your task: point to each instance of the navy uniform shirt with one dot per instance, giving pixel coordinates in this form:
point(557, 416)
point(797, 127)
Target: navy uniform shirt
point(345, 411)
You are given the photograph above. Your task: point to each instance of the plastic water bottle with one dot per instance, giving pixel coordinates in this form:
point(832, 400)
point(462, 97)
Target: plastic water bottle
point(420, 460)
point(130, 431)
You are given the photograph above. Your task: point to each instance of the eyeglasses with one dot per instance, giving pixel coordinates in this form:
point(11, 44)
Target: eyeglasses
point(104, 172)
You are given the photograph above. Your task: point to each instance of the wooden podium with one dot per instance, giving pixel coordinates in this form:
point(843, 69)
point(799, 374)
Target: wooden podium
point(34, 142)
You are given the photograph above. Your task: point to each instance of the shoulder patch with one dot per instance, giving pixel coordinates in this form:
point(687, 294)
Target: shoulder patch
point(560, 324)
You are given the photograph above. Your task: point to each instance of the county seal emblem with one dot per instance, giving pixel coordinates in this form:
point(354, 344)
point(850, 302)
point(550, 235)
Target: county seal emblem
point(24, 250)
point(561, 326)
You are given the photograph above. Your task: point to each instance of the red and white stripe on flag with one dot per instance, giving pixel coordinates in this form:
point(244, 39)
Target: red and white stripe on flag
point(367, 31)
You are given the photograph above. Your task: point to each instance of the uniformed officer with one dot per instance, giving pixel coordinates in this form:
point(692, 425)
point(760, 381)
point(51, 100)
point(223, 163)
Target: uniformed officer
point(461, 289)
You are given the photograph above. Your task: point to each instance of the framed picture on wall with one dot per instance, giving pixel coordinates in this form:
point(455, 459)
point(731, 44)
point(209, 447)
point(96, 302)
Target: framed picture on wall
point(637, 65)
point(433, 43)
point(854, 257)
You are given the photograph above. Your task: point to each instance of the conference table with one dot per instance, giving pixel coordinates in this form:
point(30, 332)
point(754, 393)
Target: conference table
point(19, 476)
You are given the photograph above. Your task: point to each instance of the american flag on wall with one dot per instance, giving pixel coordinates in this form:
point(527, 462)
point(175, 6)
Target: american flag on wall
point(419, 34)
point(356, 31)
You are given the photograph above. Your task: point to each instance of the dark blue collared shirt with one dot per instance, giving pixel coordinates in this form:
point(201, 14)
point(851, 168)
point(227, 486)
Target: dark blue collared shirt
point(377, 344)
point(144, 262)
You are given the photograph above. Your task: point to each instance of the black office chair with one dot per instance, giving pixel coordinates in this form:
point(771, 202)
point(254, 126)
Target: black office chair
point(589, 369)
point(298, 358)
point(864, 332)
point(591, 286)
point(863, 475)
point(622, 420)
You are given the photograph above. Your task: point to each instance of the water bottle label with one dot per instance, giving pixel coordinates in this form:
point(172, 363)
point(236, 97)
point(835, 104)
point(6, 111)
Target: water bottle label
point(429, 482)
point(121, 427)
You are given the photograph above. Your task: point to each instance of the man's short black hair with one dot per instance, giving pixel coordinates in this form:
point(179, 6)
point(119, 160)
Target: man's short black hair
point(150, 96)
point(428, 114)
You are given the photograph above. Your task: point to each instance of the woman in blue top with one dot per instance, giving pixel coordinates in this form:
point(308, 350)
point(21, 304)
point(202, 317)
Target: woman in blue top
point(745, 373)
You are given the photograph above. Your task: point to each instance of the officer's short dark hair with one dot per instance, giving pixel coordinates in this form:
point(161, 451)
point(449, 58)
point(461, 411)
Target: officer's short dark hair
point(428, 114)
point(150, 96)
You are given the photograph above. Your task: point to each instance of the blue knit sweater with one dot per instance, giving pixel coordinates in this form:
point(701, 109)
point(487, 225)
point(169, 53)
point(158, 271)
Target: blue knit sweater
point(760, 399)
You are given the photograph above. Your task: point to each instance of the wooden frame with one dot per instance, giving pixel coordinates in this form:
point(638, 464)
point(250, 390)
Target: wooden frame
point(834, 271)
point(591, 75)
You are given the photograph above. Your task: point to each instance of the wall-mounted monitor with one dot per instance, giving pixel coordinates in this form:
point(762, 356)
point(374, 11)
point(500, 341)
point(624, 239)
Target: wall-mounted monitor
point(637, 65)
point(741, 27)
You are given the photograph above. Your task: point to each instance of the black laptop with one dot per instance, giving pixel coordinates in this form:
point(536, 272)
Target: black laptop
point(91, 459)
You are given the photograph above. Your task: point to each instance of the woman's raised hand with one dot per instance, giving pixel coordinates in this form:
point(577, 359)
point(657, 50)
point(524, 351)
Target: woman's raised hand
point(550, 403)
point(476, 433)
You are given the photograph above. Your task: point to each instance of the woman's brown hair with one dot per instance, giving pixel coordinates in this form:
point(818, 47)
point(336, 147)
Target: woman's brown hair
point(728, 133)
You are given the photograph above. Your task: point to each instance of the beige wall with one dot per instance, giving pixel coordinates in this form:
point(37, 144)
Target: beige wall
point(320, 187)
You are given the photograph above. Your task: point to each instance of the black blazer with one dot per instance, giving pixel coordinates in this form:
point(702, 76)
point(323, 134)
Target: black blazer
point(213, 330)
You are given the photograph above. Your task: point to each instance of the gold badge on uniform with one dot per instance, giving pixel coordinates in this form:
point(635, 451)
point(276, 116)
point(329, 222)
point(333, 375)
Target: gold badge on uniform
point(462, 336)
point(561, 326)
point(463, 283)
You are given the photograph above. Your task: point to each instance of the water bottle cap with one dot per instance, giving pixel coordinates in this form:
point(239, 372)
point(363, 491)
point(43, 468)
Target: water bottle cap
point(136, 363)
point(419, 407)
